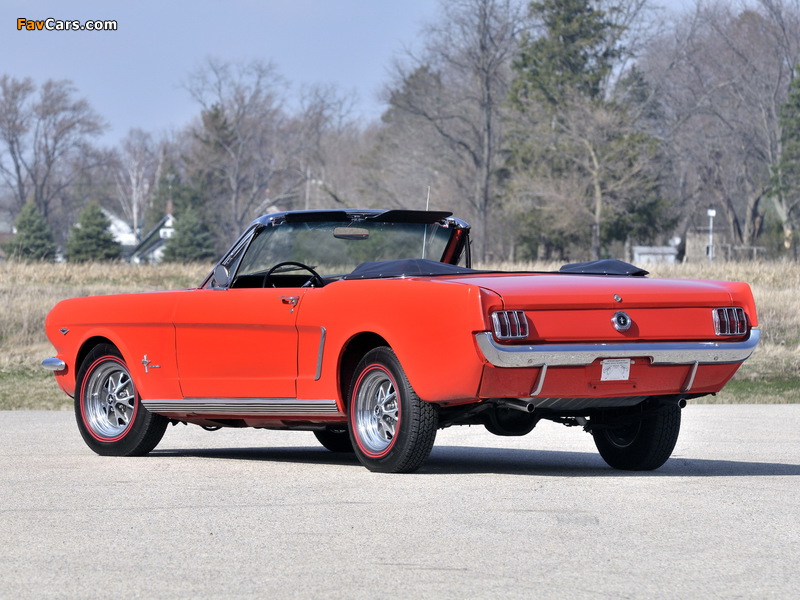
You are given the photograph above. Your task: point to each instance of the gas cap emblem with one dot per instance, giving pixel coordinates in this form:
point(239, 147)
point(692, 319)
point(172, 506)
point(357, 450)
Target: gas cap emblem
point(621, 321)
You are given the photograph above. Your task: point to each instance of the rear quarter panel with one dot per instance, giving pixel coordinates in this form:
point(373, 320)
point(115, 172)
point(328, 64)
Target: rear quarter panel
point(429, 324)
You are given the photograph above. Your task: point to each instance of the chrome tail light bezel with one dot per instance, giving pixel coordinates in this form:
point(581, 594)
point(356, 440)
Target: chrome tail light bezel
point(510, 325)
point(730, 321)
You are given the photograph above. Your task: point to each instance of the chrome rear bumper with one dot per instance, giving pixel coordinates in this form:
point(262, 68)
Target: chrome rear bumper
point(660, 353)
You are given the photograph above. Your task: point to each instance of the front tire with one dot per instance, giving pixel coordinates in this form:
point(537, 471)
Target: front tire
point(639, 441)
point(108, 409)
point(391, 428)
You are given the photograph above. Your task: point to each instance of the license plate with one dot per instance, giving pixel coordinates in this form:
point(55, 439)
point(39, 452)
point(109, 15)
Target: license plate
point(616, 369)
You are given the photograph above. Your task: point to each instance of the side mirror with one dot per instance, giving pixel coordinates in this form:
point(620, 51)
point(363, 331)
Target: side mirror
point(221, 276)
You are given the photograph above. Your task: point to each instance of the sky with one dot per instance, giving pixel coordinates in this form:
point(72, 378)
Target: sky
point(134, 77)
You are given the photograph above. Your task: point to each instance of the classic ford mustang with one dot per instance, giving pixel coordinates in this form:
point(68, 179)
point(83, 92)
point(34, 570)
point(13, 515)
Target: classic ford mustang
point(371, 329)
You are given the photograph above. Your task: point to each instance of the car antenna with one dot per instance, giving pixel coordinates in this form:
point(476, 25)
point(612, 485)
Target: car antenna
point(425, 231)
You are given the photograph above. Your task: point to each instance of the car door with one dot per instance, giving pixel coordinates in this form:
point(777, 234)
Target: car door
point(237, 343)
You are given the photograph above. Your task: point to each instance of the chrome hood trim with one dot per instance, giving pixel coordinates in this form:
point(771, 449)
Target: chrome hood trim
point(660, 353)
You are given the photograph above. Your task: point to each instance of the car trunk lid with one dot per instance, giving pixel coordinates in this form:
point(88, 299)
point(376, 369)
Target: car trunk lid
point(570, 308)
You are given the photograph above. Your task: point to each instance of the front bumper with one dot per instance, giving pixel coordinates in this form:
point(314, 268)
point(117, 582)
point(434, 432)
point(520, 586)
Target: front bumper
point(659, 353)
point(54, 364)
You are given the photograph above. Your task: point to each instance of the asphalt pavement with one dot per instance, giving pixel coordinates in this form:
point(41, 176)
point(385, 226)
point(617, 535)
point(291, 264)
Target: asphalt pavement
point(242, 513)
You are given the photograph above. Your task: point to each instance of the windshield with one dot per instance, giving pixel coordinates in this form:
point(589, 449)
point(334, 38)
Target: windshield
point(336, 248)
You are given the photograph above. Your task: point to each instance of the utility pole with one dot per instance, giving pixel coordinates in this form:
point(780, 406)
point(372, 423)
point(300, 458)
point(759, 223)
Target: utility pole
point(710, 250)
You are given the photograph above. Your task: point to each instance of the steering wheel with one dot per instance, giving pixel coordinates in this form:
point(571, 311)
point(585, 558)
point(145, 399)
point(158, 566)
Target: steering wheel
point(290, 265)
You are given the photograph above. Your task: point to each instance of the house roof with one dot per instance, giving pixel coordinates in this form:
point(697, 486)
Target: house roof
point(154, 241)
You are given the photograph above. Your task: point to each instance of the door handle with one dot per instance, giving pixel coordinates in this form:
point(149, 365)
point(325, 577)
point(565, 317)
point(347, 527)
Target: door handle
point(291, 300)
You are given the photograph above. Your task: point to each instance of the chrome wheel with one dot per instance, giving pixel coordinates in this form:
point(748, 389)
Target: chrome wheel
point(377, 411)
point(109, 399)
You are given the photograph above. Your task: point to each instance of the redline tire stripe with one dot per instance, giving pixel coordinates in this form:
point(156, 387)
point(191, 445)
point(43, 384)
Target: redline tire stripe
point(364, 373)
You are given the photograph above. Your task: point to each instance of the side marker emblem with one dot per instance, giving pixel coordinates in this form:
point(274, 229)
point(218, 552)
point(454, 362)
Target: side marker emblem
point(147, 366)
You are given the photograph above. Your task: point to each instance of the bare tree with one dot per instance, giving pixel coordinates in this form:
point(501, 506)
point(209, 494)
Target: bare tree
point(407, 158)
point(457, 88)
point(325, 143)
point(240, 140)
point(45, 139)
point(722, 74)
point(136, 175)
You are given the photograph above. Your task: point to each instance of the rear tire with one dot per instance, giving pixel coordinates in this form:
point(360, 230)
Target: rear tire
point(640, 443)
point(335, 439)
point(391, 428)
point(109, 412)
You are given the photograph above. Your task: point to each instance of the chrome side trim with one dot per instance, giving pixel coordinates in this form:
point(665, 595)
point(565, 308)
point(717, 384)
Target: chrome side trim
point(320, 353)
point(54, 364)
point(286, 407)
point(660, 353)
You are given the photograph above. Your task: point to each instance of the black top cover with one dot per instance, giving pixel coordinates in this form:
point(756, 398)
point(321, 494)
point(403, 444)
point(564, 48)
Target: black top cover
point(608, 266)
point(410, 267)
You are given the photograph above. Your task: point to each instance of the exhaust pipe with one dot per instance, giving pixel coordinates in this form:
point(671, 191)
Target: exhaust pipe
point(521, 405)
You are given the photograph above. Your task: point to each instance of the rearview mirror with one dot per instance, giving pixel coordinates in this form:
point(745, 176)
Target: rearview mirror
point(351, 233)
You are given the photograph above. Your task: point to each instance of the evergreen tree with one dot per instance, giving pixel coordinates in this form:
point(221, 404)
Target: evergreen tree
point(91, 239)
point(584, 151)
point(192, 240)
point(33, 240)
point(575, 54)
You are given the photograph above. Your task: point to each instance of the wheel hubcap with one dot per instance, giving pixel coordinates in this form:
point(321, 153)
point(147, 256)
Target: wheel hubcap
point(109, 400)
point(622, 437)
point(377, 410)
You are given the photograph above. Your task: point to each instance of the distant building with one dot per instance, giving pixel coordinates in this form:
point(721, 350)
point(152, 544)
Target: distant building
point(697, 245)
point(151, 249)
point(665, 255)
point(122, 232)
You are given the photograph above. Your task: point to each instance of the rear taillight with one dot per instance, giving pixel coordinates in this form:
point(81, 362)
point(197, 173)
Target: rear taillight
point(510, 325)
point(730, 321)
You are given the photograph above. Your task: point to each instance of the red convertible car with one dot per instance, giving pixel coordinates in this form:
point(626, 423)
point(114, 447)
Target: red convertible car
point(369, 328)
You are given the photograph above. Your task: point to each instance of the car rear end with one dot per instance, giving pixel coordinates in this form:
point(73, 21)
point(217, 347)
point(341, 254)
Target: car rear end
point(572, 342)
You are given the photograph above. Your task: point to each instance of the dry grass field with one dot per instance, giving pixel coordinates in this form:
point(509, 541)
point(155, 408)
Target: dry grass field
point(28, 291)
